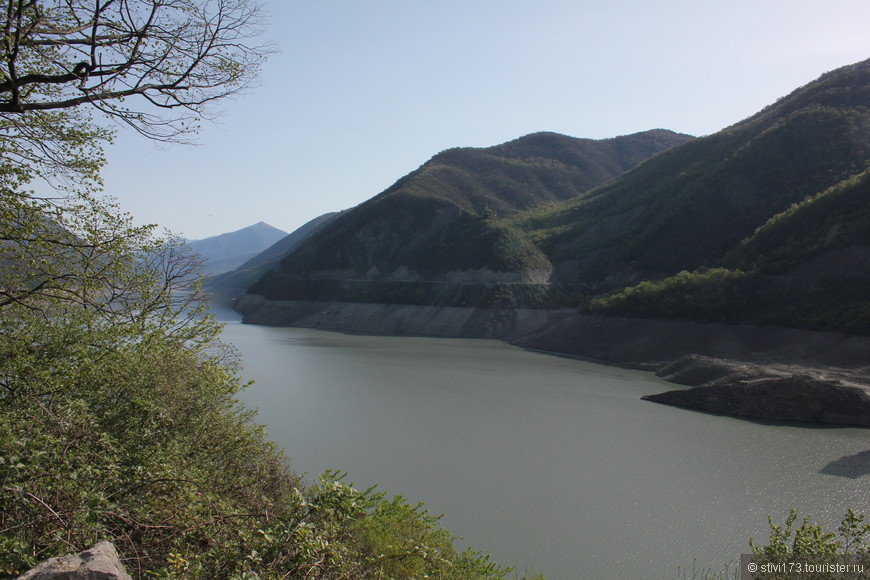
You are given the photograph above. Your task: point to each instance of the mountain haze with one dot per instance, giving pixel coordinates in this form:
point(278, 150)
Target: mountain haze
point(248, 272)
point(228, 251)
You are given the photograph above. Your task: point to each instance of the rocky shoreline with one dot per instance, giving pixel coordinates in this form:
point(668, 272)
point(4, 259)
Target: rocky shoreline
point(776, 392)
point(777, 374)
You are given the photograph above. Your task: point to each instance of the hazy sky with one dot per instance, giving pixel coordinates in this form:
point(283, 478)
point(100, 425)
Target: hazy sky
point(363, 92)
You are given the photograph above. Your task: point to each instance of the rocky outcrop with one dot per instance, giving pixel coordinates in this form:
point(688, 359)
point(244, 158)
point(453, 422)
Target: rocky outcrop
point(778, 374)
point(99, 563)
point(776, 392)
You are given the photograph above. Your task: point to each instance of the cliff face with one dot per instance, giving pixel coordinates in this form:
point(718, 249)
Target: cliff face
point(403, 319)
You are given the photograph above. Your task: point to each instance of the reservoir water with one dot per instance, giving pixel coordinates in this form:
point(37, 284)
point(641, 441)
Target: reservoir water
point(552, 465)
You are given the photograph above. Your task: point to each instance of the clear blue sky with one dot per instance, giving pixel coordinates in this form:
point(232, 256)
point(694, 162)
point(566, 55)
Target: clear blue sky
point(363, 92)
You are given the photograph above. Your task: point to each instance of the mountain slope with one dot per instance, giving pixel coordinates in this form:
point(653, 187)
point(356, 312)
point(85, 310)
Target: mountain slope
point(807, 267)
point(796, 253)
point(443, 223)
point(691, 205)
point(805, 238)
point(228, 251)
point(529, 171)
point(765, 222)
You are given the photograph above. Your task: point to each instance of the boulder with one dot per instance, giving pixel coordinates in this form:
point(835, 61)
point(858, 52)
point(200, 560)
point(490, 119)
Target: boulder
point(99, 563)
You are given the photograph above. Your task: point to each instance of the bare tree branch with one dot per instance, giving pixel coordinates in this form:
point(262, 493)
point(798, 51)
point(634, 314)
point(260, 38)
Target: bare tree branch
point(180, 55)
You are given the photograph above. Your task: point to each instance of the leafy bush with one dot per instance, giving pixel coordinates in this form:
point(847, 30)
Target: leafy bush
point(809, 543)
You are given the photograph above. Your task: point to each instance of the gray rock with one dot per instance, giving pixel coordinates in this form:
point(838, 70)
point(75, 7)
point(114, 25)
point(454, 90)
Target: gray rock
point(99, 563)
point(772, 392)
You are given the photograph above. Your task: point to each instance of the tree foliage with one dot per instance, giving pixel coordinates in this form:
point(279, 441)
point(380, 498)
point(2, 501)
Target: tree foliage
point(179, 55)
point(118, 410)
point(707, 295)
point(810, 543)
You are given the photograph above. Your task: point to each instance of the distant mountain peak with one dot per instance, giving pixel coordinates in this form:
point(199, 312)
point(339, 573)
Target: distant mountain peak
point(228, 251)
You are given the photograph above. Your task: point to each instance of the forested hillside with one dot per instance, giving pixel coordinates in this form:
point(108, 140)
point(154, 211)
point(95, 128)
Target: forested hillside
point(763, 222)
point(445, 221)
point(690, 206)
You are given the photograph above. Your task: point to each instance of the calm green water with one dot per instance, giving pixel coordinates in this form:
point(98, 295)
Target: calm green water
point(550, 464)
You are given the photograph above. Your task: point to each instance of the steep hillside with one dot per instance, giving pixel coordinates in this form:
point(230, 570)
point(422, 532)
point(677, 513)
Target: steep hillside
point(814, 237)
point(443, 223)
point(795, 250)
point(806, 267)
point(691, 205)
point(765, 222)
point(529, 171)
point(228, 251)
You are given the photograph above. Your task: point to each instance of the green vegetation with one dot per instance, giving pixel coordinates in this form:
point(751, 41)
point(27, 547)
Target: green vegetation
point(689, 206)
point(809, 539)
point(530, 171)
point(805, 267)
point(451, 214)
point(118, 420)
point(736, 297)
point(834, 219)
point(810, 543)
point(118, 412)
point(765, 222)
point(715, 295)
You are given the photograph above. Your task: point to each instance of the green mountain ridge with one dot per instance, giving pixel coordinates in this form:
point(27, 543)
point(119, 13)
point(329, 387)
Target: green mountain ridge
point(770, 230)
point(691, 205)
point(764, 222)
point(447, 216)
